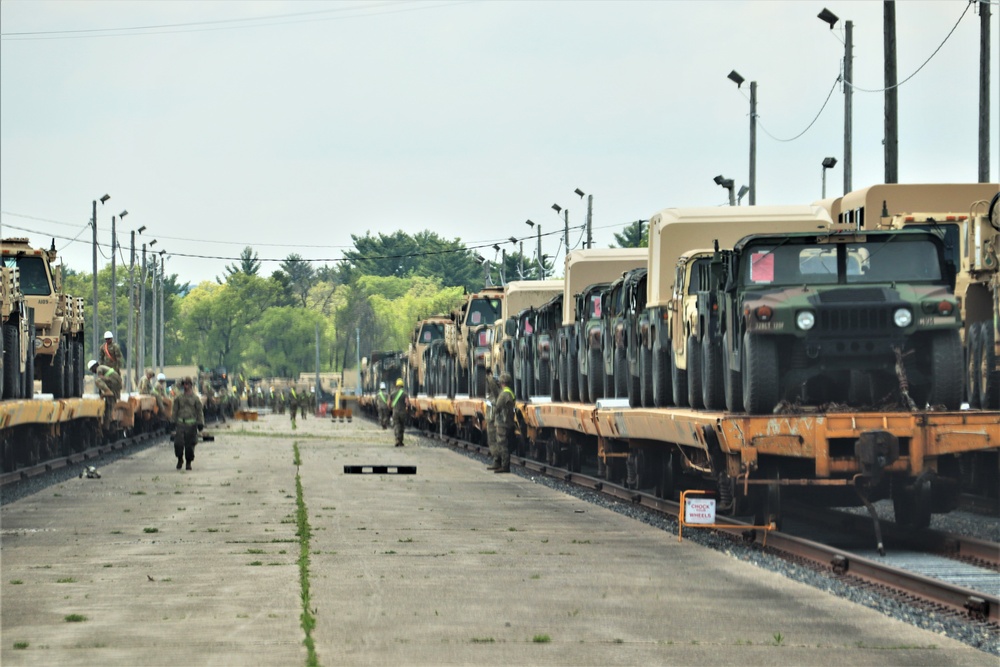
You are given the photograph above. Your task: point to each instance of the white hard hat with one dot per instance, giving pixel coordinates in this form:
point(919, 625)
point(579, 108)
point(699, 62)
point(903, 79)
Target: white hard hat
point(91, 364)
point(161, 377)
point(381, 385)
point(108, 334)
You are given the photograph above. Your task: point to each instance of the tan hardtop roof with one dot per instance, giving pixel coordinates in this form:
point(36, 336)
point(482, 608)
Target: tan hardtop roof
point(676, 230)
point(524, 293)
point(908, 197)
point(588, 267)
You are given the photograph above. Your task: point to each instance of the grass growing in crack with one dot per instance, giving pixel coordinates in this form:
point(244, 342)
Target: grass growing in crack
point(20, 646)
point(150, 530)
point(66, 580)
point(74, 618)
point(304, 534)
point(541, 639)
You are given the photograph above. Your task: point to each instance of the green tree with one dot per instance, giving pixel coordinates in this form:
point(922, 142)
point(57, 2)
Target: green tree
point(301, 277)
point(635, 235)
point(283, 342)
point(249, 263)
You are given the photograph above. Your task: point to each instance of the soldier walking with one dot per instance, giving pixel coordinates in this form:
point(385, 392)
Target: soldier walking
point(504, 411)
point(110, 354)
point(492, 393)
point(382, 403)
point(293, 404)
point(399, 412)
point(189, 418)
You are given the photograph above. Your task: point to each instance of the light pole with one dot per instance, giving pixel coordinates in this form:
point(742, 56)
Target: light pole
point(133, 330)
point(738, 80)
point(559, 209)
point(727, 183)
point(93, 222)
point(163, 322)
point(142, 311)
point(114, 274)
point(828, 163)
point(541, 264)
point(848, 79)
point(154, 309)
point(590, 217)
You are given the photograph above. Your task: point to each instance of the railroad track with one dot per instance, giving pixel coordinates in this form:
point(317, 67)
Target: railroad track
point(10, 478)
point(911, 587)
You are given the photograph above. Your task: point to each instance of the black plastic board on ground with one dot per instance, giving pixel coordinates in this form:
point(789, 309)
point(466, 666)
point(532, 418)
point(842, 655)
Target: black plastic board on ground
point(380, 470)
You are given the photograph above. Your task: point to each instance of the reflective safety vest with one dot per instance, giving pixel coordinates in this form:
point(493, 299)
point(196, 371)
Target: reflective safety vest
point(396, 398)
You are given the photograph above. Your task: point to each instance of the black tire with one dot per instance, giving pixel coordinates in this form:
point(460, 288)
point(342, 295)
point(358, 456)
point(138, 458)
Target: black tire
point(663, 371)
point(595, 374)
point(760, 374)
point(989, 379)
point(946, 373)
point(678, 381)
point(12, 380)
point(28, 389)
point(713, 391)
point(571, 378)
point(646, 377)
point(694, 397)
point(732, 381)
point(635, 384)
point(972, 364)
point(621, 373)
point(53, 375)
point(479, 381)
point(79, 369)
point(69, 363)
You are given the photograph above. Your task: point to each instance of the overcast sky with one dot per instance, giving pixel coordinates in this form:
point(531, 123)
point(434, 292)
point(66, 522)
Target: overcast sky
point(289, 126)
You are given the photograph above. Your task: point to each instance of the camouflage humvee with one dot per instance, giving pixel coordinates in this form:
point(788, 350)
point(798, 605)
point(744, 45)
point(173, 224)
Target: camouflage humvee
point(594, 382)
point(470, 341)
point(623, 301)
point(839, 317)
point(424, 333)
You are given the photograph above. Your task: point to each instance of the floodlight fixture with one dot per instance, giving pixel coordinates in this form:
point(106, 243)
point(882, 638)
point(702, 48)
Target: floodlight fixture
point(829, 162)
point(829, 17)
point(579, 192)
point(496, 247)
point(105, 198)
point(744, 189)
point(152, 243)
point(122, 214)
point(141, 229)
point(513, 240)
point(557, 208)
point(735, 77)
point(530, 223)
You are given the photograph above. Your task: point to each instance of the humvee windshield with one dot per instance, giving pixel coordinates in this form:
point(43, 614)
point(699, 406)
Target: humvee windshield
point(879, 260)
point(483, 311)
point(430, 332)
point(34, 279)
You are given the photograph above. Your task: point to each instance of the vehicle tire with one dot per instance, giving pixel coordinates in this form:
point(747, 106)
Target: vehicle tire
point(478, 381)
point(621, 373)
point(972, 364)
point(646, 377)
point(572, 378)
point(28, 388)
point(989, 379)
point(678, 381)
point(595, 374)
point(664, 389)
point(635, 383)
point(12, 380)
point(760, 374)
point(732, 381)
point(694, 397)
point(946, 375)
point(52, 376)
point(713, 392)
point(79, 369)
point(68, 365)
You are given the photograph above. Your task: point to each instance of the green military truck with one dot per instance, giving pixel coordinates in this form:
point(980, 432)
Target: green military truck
point(863, 318)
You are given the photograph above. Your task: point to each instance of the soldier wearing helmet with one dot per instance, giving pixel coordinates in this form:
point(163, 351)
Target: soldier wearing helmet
point(503, 413)
point(110, 354)
point(189, 418)
point(109, 385)
point(160, 392)
point(398, 404)
point(146, 382)
point(382, 404)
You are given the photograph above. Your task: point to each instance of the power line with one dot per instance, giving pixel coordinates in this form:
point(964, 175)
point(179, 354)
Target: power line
point(825, 102)
point(208, 26)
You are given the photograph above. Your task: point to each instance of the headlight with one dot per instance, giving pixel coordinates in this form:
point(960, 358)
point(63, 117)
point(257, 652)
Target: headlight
point(902, 317)
point(805, 320)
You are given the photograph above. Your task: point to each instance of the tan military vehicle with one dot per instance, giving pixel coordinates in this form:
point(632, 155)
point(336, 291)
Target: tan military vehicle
point(518, 295)
point(468, 343)
point(16, 380)
point(672, 315)
point(58, 319)
point(580, 341)
point(424, 334)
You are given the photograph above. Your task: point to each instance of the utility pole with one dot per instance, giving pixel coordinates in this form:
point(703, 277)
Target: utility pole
point(154, 334)
point(131, 312)
point(114, 281)
point(753, 143)
point(565, 235)
point(891, 100)
point(94, 336)
point(848, 102)
point(590, 221)
point(541, 262)
point(141, 357)
point(984, 91)
point(319, 387)
point(163, 322)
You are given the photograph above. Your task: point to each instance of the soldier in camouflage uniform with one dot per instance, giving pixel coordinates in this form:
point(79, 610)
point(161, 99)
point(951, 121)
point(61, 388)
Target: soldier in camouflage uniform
point(382, 404)
point(109, 385)
point(398, 403)
point(293, 404)
point(504, 411)
point(146, 382)
point(110, 354)
point(492, 393)
point(189, 417)
point(160, 392)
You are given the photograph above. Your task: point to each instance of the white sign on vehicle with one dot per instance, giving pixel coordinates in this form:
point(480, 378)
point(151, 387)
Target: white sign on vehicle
point(699, 510)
